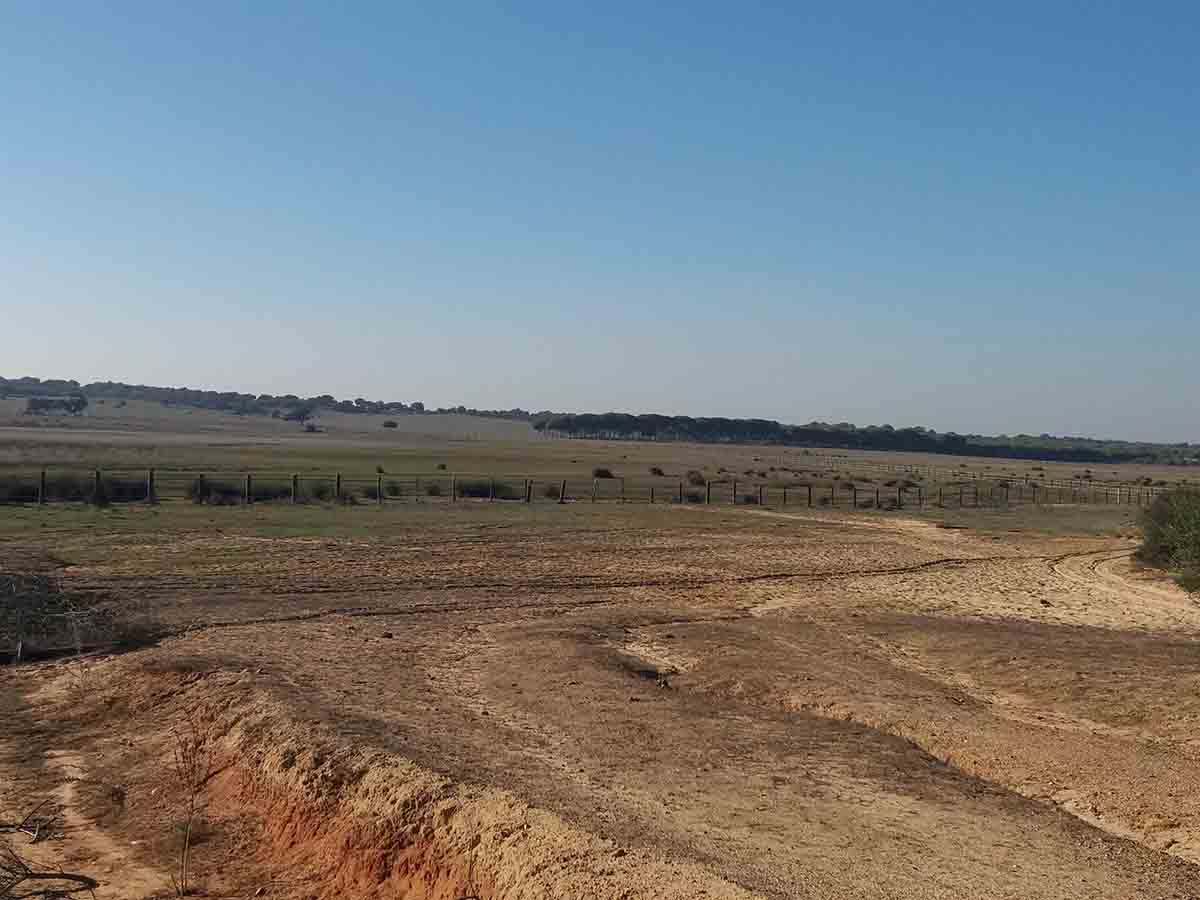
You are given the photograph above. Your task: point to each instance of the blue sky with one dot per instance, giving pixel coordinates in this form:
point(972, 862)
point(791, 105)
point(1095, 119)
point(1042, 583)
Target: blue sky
point(980, 220)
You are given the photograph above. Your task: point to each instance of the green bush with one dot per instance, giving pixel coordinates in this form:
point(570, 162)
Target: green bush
point(1171, 535)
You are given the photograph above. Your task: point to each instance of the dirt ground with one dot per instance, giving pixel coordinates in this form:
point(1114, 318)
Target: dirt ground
point(634, 702)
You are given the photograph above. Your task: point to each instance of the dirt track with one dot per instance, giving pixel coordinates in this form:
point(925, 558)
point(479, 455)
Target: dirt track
point(659, 703)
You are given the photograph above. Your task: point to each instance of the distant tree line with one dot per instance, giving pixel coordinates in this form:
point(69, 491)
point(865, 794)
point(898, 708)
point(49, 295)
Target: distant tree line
point(851, 437)
point(285, 406)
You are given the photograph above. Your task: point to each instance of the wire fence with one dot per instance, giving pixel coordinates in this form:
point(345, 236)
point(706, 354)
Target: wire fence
point(103, 487)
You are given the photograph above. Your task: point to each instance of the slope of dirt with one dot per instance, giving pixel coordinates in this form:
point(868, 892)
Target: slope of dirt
point(658, 704)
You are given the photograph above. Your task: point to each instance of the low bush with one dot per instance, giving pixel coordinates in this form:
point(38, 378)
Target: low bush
point(482, 489)
point(1171, 535)
point(24, 489)
point(433, 489)
point(39, 617)
point(391, 423)
point(657, 472)
point(602, 472)
point(750, 499)
point(552, 492)
point(693, 497)
point(696, 478)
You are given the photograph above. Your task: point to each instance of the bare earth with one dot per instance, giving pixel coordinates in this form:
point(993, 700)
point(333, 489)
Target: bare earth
point(625, 703)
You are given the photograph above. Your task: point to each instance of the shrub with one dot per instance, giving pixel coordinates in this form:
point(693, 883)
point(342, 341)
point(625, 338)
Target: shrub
point(552, 492)
point(1171, 535)
point(657, 471)
point(391, 423)
point(750, 499)
point(433, 489)
point(602, 472)
point(441, 467)
point(696, 478)
point(693, 497)
point(481, 489)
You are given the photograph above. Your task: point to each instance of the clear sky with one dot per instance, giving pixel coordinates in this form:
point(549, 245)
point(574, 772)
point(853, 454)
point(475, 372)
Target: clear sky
point(905, 213)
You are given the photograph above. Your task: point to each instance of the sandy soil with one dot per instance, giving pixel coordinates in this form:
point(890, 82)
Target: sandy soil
point(654, 703)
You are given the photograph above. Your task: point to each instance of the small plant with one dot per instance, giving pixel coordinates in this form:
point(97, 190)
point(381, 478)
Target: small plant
point(391, 423)
point(552, 492)
point(441, 467)
point(696, 478)
point(693, 497)
point(192, 767)
point(657, 472)
point(433, 489)
point(602, 472)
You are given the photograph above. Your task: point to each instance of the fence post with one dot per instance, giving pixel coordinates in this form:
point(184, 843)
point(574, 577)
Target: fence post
point(96, 487)
point(760, 495)
point(622, 490)
point(960, 496)
point(920, 497)
point(681, 491)
point(899, 497)
point(248, 491)
point(784, 498)
point(150, 485)
point(528, 490)
point(809, 486)
point(976, 492)
point(42, 489)
point(491, 489)
point(733, 492)
point(877, 504)
point(379, 490)
point(337, 487)
point(562, 491)
point(707, 493)
point(595, 488)
point(651, 495)
point(833, 495)
point(453, 488)
point(295, 487)
point(854, 495)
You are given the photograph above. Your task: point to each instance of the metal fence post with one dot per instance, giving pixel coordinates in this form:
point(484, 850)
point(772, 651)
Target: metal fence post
point(42, 489)
point(96, 488)
point(379, 489)
point(337, 487)
point(562, 491)
point(295, 487)
point(707, 493)
point(150, 485)
point(453, 488)
point(248, 490)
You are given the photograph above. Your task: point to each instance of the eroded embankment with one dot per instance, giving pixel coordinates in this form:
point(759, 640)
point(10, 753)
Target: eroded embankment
point(325, 817)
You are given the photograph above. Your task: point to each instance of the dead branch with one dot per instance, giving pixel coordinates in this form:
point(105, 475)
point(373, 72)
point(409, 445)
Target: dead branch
point(38, 825)
point(20, 881)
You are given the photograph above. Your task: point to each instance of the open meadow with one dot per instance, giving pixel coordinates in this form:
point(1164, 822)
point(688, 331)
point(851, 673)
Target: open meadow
point(505, 700)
